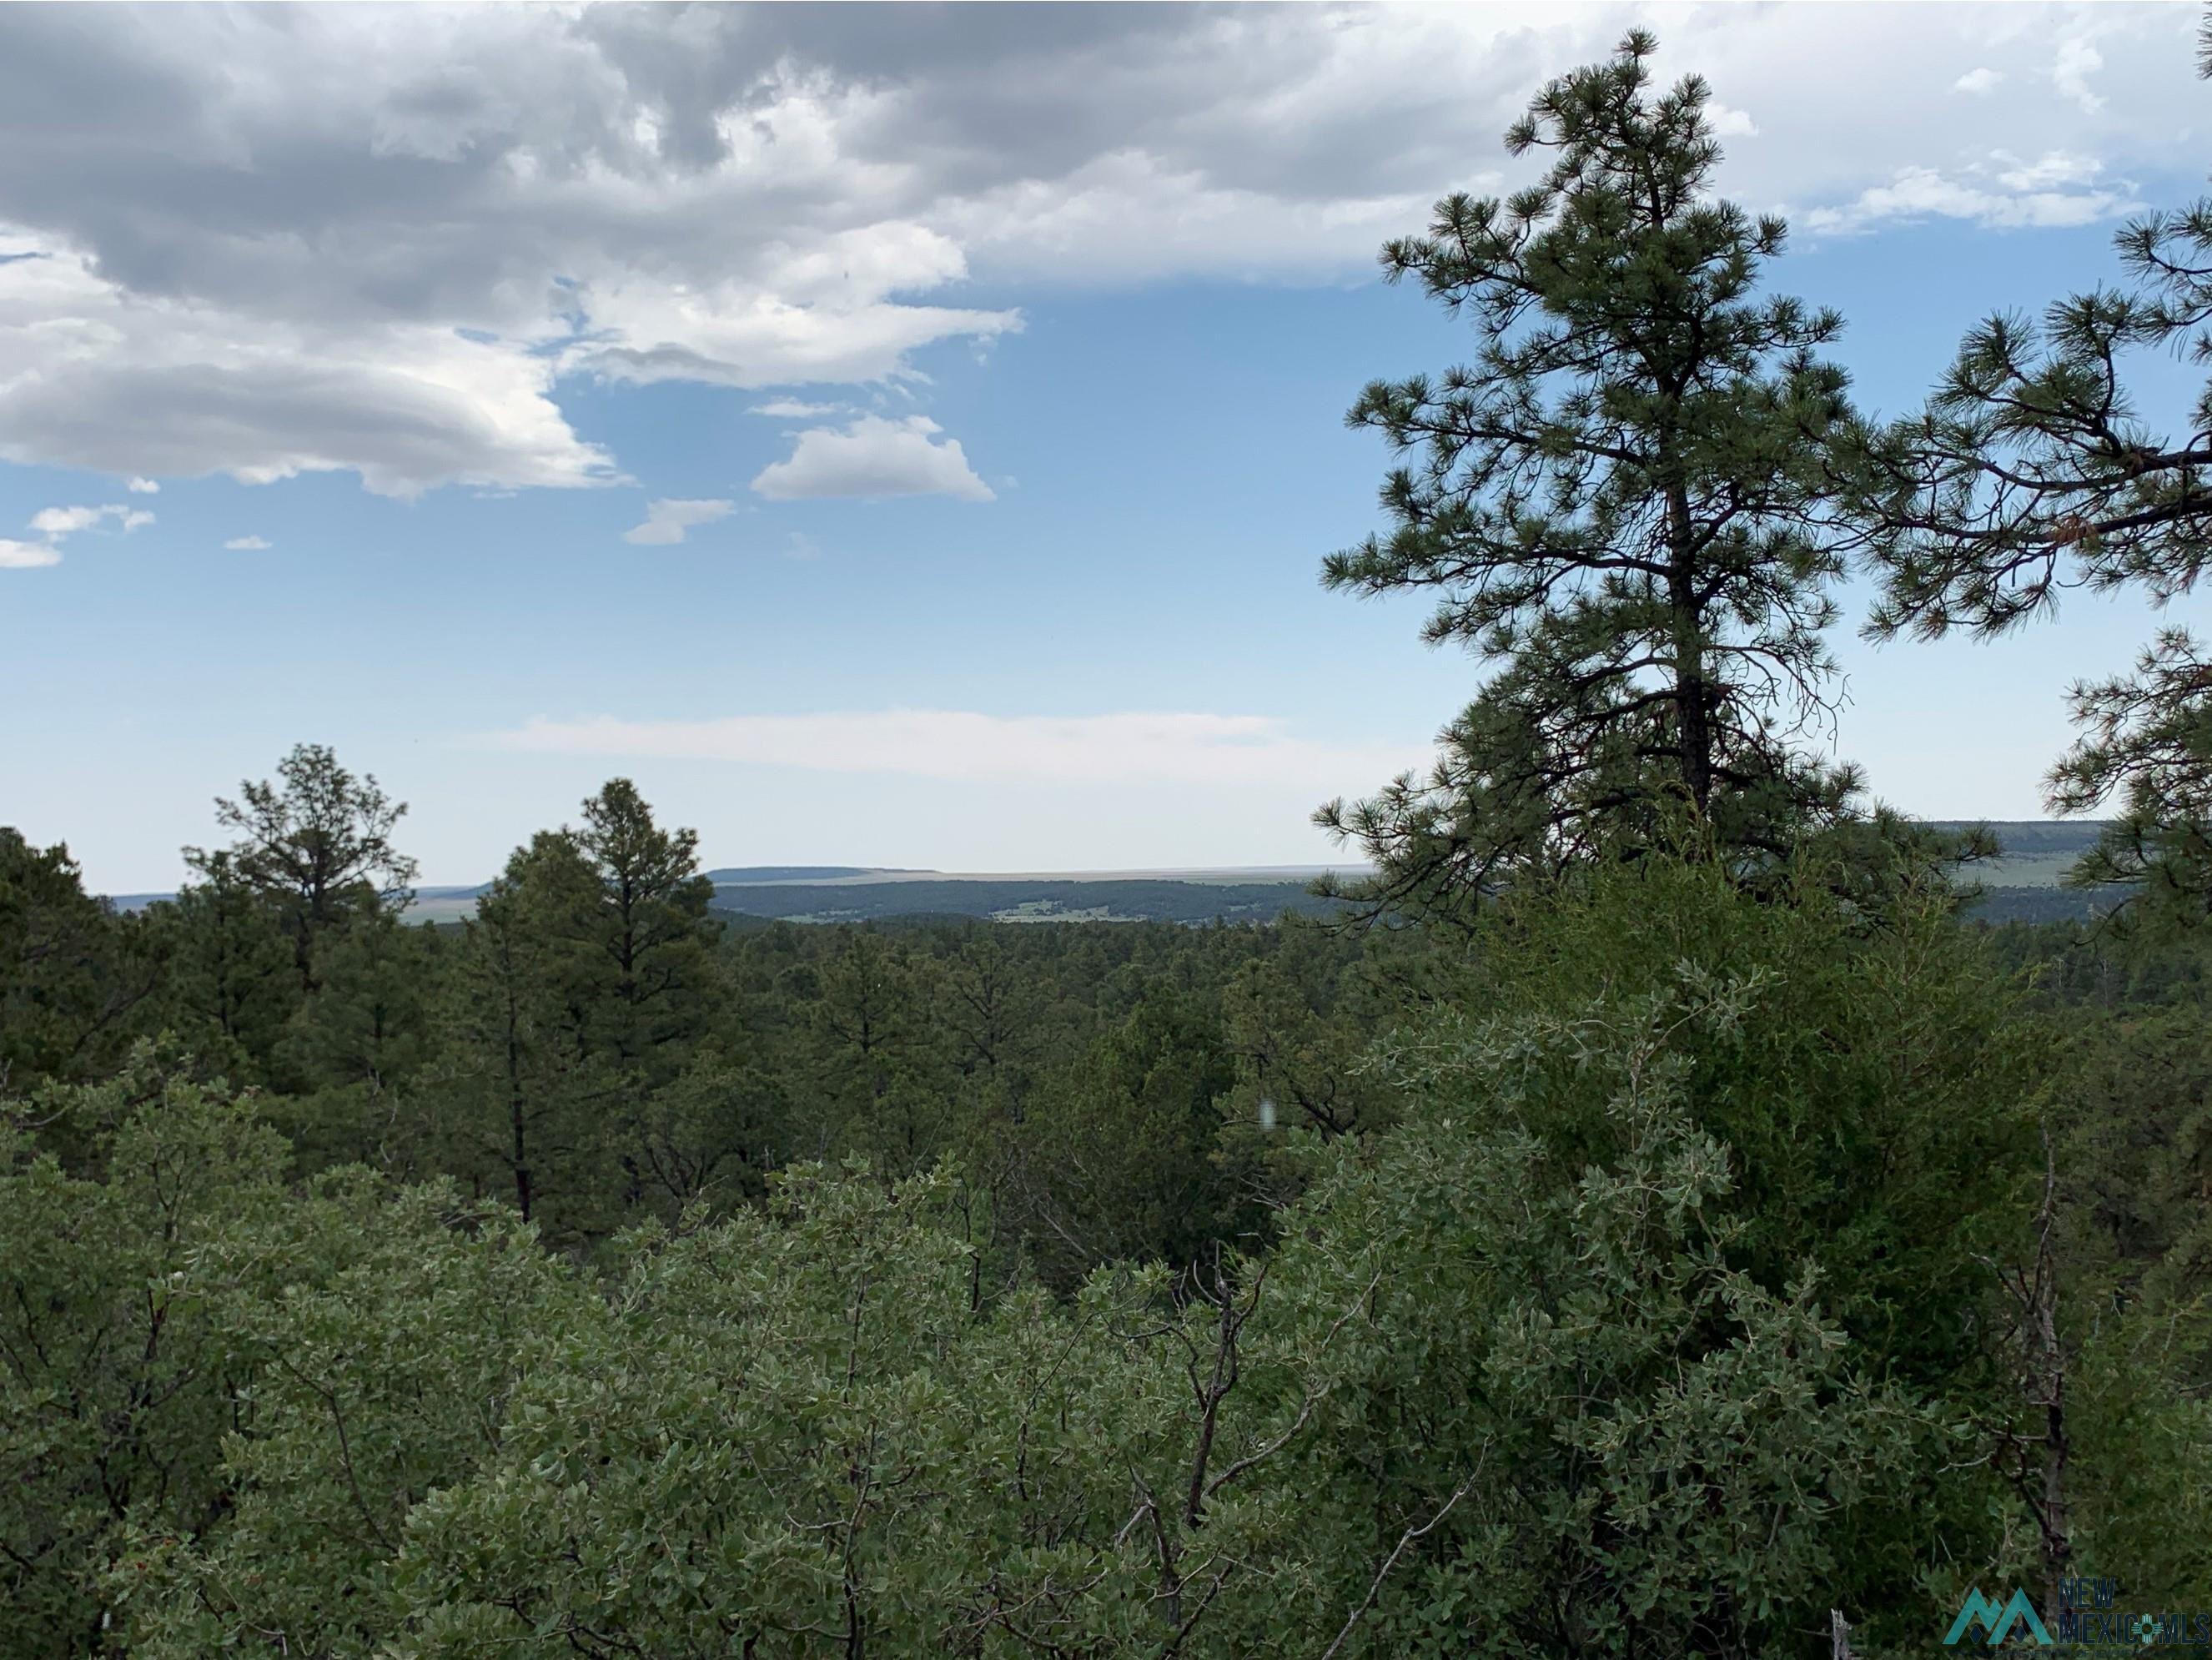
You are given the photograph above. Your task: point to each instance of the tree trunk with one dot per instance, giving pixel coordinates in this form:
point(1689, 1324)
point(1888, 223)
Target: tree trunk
point(1692, 696)
point(2050, 1361)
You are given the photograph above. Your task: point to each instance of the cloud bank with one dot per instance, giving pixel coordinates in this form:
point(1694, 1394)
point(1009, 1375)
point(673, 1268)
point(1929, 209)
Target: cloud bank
point(382, 240)
point(1195, 749)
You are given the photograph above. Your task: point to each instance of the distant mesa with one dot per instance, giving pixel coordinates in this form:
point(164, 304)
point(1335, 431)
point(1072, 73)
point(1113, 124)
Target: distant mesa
point(2025, 885)
point(745, 876)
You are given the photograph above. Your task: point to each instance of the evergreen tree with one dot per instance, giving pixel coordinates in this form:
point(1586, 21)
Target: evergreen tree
point(71, 971)
point(518, 1099)
point(357, 1046)
point(1624, 499)
point(655, 969)
point(364, 1025)
point(318, 843)
point(879, 1085)
point(230, 986)
point(1116, 1157)
point(2033, 470)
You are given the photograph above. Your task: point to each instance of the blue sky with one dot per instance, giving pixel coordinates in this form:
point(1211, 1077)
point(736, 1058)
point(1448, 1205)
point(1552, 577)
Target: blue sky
point(1009, 422)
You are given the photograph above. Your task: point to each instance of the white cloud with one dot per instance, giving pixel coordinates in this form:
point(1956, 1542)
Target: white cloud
point(92, 377)
point(873, 457)
point(794, 408)
point(377, 241)
point(1728, 123)
point(56, 524)
point(1174, 747)
point(2077, 60)
point(2004, 197)
point(248, 544)
point(648, 331)
point(2055, 168)
point(666, 520)
point(143, 487)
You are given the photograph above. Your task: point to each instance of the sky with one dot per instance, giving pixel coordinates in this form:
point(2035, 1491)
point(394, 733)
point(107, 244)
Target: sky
point(892, 437)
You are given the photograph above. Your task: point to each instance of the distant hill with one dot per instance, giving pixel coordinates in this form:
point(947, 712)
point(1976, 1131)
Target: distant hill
point(432, 904)
point(1022, 899)
point(2026, 884)
point(2023, 885)
point(2037, 851)
point(754, 875)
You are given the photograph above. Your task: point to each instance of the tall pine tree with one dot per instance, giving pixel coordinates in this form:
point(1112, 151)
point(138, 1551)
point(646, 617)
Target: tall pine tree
point(522, 1103)
point(1623, 502)
point(318, 843)
point(657, 988)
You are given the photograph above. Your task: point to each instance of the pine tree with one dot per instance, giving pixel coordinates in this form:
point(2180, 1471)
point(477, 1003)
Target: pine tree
point(2031, 472)
point(522, 1103)
point(1624, 502)
point(230, 985)
point(72, 972)
point(653, 931)
point(317, 842)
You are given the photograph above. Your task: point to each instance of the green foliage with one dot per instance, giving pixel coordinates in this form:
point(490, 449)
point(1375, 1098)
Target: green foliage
point(2034, 468)
point(1619, 1442)
point(71, 972)
point(648, 935)
point(1643, 1289)
point(118, 1386)
point(380, 1338)
point(2130, 1117)
point(316, 844)
point(1877, 1093)
point(515, 1098)
point(1490, 1395)
point(1117, 1163)
point(2146, 738)
point(229, 986)
point(1625, 501)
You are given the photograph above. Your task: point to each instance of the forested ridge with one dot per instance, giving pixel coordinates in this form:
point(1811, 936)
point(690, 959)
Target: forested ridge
point(1646, 1215)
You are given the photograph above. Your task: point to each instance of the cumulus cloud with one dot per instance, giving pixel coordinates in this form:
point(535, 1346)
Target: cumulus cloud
point(143, 487)
point(27, 555)
point(2077, 60)
point(379, 240)
point(1730, 122)
point(2002, 192)
point(92, 377)
point(2053, 169)
point(1174, 747)
point(873, 457)
point(667, 521)
point(56, 524)
point(249, 544)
